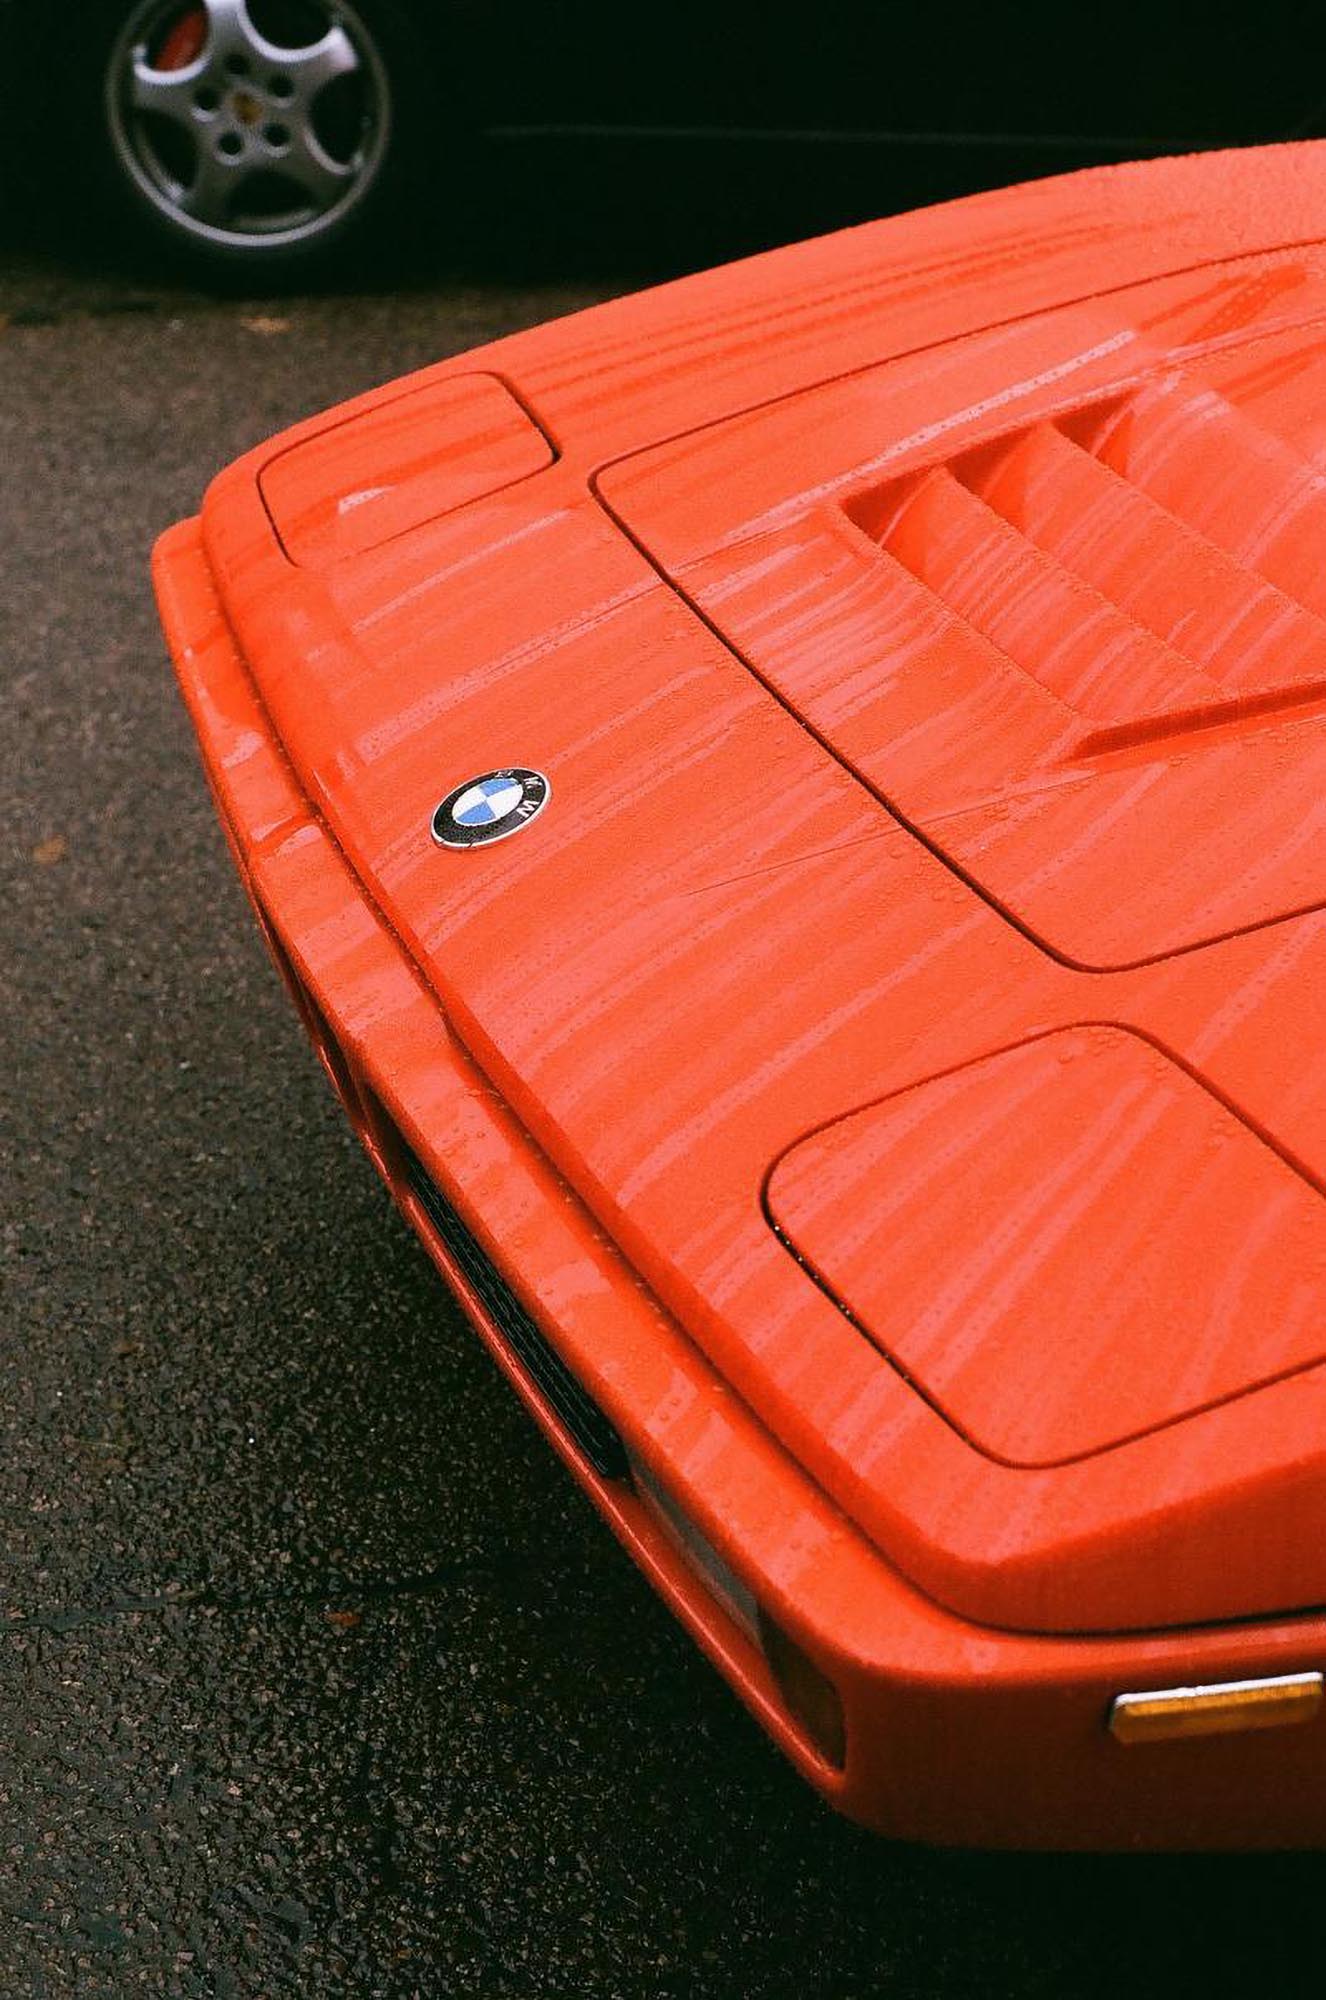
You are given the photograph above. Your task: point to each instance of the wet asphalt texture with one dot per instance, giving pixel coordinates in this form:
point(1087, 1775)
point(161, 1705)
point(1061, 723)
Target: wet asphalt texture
point(317, 1675)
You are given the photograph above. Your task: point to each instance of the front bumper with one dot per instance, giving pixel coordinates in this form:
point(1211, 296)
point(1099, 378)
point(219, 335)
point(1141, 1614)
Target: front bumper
point(953, 1732)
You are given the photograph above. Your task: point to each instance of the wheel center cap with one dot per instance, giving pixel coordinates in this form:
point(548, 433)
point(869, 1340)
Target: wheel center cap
point(246, 107)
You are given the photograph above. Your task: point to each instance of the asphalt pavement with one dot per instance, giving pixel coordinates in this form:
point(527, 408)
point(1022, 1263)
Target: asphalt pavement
point(318, 1677)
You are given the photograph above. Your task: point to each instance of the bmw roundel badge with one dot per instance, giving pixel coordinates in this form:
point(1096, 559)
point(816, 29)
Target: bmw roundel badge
point(490, 807)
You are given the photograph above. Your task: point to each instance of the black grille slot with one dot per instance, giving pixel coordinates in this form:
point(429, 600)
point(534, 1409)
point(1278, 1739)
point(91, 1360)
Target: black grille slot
point(576, 1409)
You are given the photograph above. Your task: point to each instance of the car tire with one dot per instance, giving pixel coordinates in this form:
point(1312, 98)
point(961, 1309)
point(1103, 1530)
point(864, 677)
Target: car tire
point(257, 143)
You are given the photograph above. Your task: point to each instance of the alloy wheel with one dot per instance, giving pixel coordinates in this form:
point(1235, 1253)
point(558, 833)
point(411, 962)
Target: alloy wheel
point(249, 123)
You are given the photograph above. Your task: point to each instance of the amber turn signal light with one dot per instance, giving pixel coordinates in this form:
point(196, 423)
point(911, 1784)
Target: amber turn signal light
point(1220, 1709)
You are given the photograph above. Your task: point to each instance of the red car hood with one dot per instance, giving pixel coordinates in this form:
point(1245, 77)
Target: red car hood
point(919, 969)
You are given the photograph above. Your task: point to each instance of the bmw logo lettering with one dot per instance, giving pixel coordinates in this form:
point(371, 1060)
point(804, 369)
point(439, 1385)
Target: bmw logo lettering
point(490, 807)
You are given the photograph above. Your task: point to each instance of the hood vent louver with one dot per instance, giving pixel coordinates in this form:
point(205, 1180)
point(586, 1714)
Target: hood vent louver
point(1159, 619)
point(1082, 656)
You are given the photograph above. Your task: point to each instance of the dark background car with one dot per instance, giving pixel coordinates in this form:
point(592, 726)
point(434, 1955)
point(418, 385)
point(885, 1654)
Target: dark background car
point(264, 138)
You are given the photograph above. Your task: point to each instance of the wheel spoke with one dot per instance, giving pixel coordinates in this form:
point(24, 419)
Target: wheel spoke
point(231, 32)
point(208, 196)
point(321, 178)
point(312, 69)
point(166, 93)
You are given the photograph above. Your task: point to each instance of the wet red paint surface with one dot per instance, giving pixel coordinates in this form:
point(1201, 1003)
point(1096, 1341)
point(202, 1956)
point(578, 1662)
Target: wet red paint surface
point(922, 633)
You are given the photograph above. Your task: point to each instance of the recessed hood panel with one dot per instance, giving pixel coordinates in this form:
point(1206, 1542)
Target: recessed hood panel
point(1056, 593)
point(418, 454)
point(1064, 1245)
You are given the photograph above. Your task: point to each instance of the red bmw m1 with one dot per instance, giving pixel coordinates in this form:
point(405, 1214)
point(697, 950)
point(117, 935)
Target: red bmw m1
point(793, 808)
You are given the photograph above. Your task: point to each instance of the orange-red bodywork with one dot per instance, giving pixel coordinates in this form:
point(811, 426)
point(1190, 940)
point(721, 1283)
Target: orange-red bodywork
point(892, 1069)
